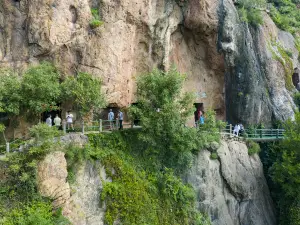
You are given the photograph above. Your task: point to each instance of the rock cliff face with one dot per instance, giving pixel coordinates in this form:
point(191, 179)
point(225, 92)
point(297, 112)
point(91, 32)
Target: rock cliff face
point(204, 38)
point(232, 189)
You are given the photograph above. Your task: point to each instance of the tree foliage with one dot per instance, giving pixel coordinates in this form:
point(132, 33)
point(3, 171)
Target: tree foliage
point(84, 91)
point(40, 88)
point(285, 173)
point(286, 15)
point(250, 11)
point(163, 111)
point(10, 92)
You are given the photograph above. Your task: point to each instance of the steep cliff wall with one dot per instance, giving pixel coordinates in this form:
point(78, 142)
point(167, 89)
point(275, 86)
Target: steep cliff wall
point(232, 189)
point(204, 38)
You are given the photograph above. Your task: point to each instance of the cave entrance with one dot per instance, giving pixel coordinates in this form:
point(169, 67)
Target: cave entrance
point(295, 78)
point(199, 108)
point(53, 114)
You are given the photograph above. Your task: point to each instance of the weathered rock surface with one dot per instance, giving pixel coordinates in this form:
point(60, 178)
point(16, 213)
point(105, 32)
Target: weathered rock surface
point(84, 207)
point(80, 201)
point(52, 174)
point(256, 87)
point(232, 189)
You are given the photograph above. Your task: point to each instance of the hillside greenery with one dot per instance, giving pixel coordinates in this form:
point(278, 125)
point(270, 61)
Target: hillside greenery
point(281, 163)
point(41, 89)
point(20, 202)
point(284, 13)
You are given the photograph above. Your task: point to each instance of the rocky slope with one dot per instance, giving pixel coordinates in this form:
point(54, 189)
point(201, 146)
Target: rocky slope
point(232, 189)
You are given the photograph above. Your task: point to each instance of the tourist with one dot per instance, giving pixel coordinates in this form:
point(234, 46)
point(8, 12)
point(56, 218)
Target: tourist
point(241, 131)
point(197, 115)
point(49, 121)
point(70, 120)
point(201, 119)
point(57, 121)
point(120, 117)
point(236, 129)
point(111, 117)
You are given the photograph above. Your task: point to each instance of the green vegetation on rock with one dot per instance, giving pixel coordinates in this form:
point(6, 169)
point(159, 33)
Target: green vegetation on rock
point(20, 202)
point(282, 55)
point(253, 147)
point(286, 15)
point(95, 22)
point(40, 90)
point(250, 11)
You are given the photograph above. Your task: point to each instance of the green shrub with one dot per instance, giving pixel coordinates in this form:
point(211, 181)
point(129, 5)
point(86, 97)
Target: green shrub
point(253, 147)
point(42, 132)
point(286, 15)
point(35, 213)
point(250, 11)
point(214, 155)
point(95, 22)
point(297, 99)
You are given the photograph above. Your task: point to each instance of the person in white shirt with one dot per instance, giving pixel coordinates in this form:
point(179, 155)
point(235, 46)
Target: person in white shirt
point(49, 121)
point(111, 117)
point(70, 120)
point(57, 121)
point(236, 129)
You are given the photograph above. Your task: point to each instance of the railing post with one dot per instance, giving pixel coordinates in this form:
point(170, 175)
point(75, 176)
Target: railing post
point(100, 126)
point(7, 147)
point(64, 125)
point(230, 129)
point(261, 133)
point(277, 133)
point(83, 127)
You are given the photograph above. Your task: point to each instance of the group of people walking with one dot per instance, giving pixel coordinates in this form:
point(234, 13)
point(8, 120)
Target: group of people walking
point(111, 119)
point(69, 119)
point(57, 121)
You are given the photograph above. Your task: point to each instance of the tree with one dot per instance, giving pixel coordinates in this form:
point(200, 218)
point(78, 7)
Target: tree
point(286, 173)
point(41, 88)
point(85, 91)
point(10, 92)
point(163, 110)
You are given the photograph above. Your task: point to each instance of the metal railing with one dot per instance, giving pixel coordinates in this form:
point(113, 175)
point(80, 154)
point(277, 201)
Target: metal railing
point(255, 134)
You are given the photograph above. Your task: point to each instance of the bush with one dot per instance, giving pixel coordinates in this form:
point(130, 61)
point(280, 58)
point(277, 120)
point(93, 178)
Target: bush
point(286, 15)
point(35, 213)
point(253, 147)
point(250, 11)
point(43, 132)
point(214, 155)
point(95, 22)
point(297, 99)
